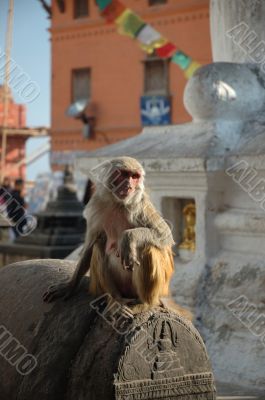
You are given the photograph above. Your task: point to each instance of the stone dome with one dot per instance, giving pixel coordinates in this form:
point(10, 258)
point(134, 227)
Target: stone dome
point(225, 91)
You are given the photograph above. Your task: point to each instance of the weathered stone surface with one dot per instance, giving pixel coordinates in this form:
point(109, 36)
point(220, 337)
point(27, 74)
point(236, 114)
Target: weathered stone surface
point(21, 307)
point(231, 312)
point(228, 14)
point(81, 355)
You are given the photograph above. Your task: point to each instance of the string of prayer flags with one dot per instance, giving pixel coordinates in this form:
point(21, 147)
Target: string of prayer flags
point(150, 40)
point(113, 11)
point(129, 23)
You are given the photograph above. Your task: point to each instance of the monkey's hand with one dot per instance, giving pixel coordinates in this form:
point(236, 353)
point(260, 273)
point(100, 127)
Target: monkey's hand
point(128, 251)
point(64, 289)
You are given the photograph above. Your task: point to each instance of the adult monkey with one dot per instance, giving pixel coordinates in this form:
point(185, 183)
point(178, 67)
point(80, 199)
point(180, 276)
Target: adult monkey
point(128, 244)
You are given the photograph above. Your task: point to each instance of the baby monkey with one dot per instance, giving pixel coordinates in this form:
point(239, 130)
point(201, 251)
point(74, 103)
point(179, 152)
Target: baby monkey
point(128, 244)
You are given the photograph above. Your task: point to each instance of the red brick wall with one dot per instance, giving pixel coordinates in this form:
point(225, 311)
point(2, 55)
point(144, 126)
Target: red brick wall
point(15, 150)
point(16, 115)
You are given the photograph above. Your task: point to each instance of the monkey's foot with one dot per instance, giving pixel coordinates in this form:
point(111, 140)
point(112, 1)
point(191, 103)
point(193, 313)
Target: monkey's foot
point(128, 254)
point(64, 290)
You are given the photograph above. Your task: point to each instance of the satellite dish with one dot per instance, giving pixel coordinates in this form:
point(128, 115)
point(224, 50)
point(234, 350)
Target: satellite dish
point(76, 110)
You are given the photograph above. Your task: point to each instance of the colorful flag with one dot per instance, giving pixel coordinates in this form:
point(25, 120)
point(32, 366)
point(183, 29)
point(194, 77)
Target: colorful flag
point(129, 23)
point(103, 4)
point(166, 50)
point(150, 39)
point(148, 35)
point(113, 11)
point(149, 49)
point(191, 69)
point(181, 59)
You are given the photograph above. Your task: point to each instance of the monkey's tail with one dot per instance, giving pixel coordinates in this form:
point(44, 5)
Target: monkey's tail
point(152, 277)
point(96, 283)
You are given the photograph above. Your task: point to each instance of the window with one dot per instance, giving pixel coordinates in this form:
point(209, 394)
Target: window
point(155, 77)
point(81, 8)
point(155, 2)
point(81, 84)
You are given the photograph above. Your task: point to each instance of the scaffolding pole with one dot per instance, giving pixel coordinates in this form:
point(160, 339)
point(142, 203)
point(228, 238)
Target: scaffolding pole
point(9, 33)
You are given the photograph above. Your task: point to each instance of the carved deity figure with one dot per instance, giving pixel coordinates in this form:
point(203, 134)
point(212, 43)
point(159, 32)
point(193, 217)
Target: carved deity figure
point(189, 235)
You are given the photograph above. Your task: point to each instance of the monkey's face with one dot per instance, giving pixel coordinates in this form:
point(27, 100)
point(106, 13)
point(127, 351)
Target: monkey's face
point(124, 183)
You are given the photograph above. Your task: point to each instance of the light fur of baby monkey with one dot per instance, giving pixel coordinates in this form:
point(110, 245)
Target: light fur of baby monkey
point(128, 246)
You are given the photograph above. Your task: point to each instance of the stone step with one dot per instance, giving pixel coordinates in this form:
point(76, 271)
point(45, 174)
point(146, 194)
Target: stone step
point(240, 398)
point(228, 391)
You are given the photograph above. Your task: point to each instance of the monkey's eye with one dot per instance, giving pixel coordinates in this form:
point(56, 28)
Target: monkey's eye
point(124, 174)
point(136, 175)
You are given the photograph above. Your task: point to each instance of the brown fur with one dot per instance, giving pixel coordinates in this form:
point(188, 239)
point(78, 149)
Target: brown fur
point(150, 279)
point(97, 284)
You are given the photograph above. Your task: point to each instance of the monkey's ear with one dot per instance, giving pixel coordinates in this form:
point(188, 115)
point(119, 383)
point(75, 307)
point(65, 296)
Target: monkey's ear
point(101, 172)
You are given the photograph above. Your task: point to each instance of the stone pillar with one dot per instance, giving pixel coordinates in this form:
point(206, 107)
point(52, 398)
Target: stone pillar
point(248, 16)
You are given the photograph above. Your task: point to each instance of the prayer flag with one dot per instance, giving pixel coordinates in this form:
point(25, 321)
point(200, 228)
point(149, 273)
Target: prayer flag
point(181, 59)
point(103, 4)
point(191, 69)
point(166, 50)
point(113, 11)
point(147, 35)
point(149, 49)
point(150, 39)
point(129, 23)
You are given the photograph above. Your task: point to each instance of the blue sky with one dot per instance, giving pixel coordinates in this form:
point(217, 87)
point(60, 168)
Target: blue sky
point(31, 52)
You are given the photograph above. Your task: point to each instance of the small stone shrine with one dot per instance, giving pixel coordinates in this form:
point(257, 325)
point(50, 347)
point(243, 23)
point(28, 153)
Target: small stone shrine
point(60, 229)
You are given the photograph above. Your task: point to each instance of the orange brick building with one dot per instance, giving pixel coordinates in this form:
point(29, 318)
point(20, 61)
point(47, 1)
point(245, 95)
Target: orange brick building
point(16, 117)
point(17, 134)
point(15, 151)
point(90, 59)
